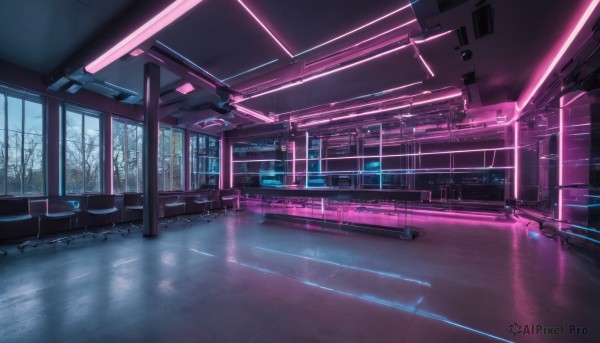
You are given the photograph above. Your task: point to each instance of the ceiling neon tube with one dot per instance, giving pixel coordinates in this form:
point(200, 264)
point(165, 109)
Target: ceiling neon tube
point(332, 71)
point(254, 114)
point(354, 30)
point(354, 115)
point(383, 92)
point(524, 100)
point(385, 32)
point(266, 29)
point(426, 65)
point(163, 19)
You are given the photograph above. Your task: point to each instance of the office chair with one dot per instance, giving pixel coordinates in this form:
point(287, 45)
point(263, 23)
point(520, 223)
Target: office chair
point(12, 210)
point(100, 206)
point(205, 201)
point(57, 209)
point(133, 203)
point(175, 202)
point(232, 196)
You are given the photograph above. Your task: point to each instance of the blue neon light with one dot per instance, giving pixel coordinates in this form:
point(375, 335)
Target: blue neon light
point(251, 69)
point(190, 62)
point(585, 228)
point(581, 236)
point(388, 274)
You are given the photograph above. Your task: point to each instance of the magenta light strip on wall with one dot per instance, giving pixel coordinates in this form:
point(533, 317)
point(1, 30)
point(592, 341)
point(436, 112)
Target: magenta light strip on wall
point(527, 95)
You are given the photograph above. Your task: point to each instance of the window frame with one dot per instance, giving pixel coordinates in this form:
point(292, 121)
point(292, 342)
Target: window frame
point(23, 96)
point(206, 158)
point(83, 112)
point(171, 155)
point(140, 150)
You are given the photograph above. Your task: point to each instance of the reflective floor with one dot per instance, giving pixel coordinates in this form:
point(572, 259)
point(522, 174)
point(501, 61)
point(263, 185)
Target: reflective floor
point(466, 279)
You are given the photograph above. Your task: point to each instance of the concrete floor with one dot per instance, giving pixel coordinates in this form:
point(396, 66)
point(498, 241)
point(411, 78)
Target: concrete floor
point(466, 279)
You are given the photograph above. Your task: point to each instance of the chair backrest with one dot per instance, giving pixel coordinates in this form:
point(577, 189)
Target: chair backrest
point(133, 199)
point(13, 206)
point(100, 202)
point(58, 204)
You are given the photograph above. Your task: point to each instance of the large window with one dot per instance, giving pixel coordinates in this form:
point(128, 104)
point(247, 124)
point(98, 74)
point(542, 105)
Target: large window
point(21, 144)
point(204, 160)
point(127, 156)
point(82, 151)
point(170, 159)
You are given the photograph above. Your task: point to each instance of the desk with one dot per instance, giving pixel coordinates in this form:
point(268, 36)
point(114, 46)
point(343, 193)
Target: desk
point(339, 201)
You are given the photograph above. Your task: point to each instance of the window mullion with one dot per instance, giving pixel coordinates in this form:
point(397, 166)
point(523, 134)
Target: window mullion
point(22, 147)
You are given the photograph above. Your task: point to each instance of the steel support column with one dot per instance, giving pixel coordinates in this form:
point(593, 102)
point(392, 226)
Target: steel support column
point(151, 115)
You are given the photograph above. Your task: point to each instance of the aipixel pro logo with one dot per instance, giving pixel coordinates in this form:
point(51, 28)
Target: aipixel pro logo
point(541, 329)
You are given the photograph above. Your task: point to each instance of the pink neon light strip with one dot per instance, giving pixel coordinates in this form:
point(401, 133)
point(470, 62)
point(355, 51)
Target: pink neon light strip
point(414, 154)
point(266, 29)
point(231, 166)
point(242, 161)
point(312, 115)
point(300, 116)
point(584, 18)
point(426, 65)
point(354, 30)
point(516, 157)
point(561, 136)
point(318, 122)
point(385, 32)
point(254, 114)
point(293, 161)
point(332, 71)
point(143, 33)
point(574, 99)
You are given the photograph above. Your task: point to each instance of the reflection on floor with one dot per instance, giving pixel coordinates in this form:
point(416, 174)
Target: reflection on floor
point(466, 279)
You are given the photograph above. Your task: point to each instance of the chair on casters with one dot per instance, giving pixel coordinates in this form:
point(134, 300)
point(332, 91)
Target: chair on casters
point(100, 206)
point(176, 203)
point(133, 203)
point(205, 202)
point(56, 210)
point(232, 196)
point(12, 210)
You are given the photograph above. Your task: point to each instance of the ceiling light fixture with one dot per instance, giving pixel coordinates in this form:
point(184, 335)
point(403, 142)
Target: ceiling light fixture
point(266, 29)
point(185, 88)
point(527, 96)
point(355, 30)
point(254, 114)
point(136, 52)
point(163, 19)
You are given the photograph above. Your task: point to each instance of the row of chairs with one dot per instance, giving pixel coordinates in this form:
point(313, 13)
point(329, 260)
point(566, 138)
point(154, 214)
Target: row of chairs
point(16, 209)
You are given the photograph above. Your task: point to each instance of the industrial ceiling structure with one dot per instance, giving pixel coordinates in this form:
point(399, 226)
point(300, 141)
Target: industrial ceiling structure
point(229, 64)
